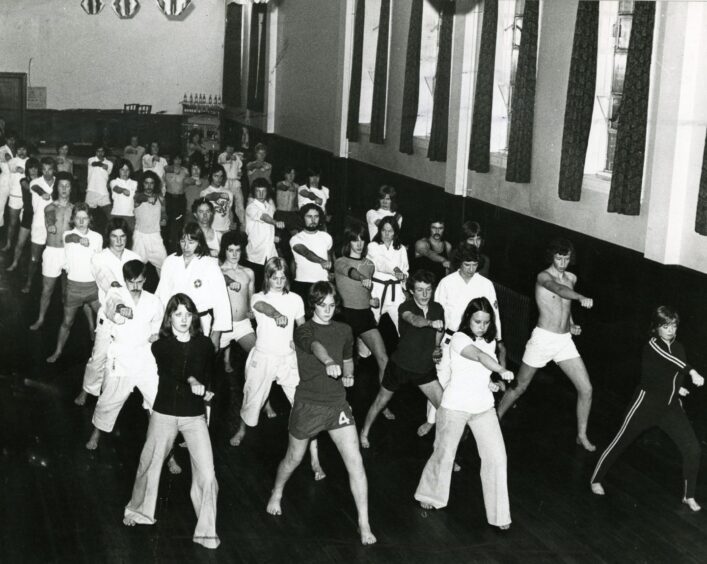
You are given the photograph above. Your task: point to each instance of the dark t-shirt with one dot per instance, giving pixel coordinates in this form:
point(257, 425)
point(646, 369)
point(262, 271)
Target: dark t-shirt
point(416, 345)
point(315, 385)
point(176, 362)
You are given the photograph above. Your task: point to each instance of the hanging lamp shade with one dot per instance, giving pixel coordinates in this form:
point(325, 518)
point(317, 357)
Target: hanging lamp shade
point(125, 9)
point(92, 7)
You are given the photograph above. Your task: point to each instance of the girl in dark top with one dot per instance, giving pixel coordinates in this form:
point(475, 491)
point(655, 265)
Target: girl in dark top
point(656, 403)
point(324, 357)
point(32, 169)
point(184, 360)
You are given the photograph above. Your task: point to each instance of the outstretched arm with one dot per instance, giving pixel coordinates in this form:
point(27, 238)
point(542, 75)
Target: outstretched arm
point(473, 353)
point(269, 311)
point(423, 248)
point(547, 282)
point(300, 249)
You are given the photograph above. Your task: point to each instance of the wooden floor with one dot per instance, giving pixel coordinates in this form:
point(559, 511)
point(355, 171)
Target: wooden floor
point(61, 503)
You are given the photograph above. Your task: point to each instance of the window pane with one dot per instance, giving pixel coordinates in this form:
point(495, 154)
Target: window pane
point(614, 110)
point(623, 32)
point(626, 7)
point(617, 83)
point(370, 44)
point(428, 68)
point(517, 29)
point(520, 7)
point(611, 149)
point(514, 66)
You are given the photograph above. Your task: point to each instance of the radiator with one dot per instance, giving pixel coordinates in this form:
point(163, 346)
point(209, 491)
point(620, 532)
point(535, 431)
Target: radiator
point(516, 314)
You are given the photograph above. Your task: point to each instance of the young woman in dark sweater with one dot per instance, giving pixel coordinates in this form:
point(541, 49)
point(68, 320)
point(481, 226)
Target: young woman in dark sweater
point(656, 403)
point(184, 359)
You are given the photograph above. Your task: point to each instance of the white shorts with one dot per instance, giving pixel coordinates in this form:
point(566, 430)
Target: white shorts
point(545, 346)
point(53, 261)
point(96, 200)
point(261, 370)
point(240, 329)
point(38, 232)
point(150, 248)
point(15, 202)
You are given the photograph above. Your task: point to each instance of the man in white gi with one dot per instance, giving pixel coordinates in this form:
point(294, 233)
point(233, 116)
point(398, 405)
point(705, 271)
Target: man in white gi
point(130, 363)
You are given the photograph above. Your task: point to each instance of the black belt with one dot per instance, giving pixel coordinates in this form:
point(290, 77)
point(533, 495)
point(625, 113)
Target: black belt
point(449, 332)
point(386, 284)
point(209, 311)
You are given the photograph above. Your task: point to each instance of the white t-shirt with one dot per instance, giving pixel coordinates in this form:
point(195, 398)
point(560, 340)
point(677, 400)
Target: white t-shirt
point(321, 192)
point(39, 203)
point(468, 389)
point(158, 166)
point(232, 167)
point(261, 235)
point(123, 205)
point(5, 152)
point(98, 176)
point(222, 207)
point(134, 155)
point(372, 216)
point(269, 337)
point(320, 244)
point(78, 257)
point(454, 295)
point(15, 177)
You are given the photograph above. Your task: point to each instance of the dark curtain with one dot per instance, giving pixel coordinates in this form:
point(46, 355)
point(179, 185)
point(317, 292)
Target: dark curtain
point(437, 149)
point(581, 87)
point(480, 145)
point(627, 176)
point(520, 143)
point(256, 59)
point(380, 78)
point(411, 88)
point(232, 56)
point(356, 69)
point(701, 218)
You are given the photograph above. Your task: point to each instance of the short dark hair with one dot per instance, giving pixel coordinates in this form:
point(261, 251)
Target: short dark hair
point(318, 293)
point(133, 269)
point(59, 177)
point(115, 223)
point(471, 229)
point(172, 305)
point(390, 220)
point(194, 232)
point(422, 276)
point(217, 168)
point(466, 253)
point(49, 161)
point(661, 316)
point(305, 209)
point(560, 246)
point(354, 231)
point(32, 162)
point(199, 201)
point(233, 237)
point(478, 304)
point(21, 143)
point(260, 183)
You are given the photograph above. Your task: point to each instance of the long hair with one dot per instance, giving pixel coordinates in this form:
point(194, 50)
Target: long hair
point(78, 207)
point(194, 232)
point(318, 293)
point(234, 237)
point(384, 191)
point(32, 162)
point(354, 231)
point(390, 220)
point(478, 304)
point(218, 168)
point(261, 183)
point(273, 265)
point(115, 223)
point(115, 173)
point(662, 315)
point(157, 180)
point(172, 305)
point(305, 209)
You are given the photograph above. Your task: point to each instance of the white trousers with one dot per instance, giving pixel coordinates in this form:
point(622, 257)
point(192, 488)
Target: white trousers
point(96, 366)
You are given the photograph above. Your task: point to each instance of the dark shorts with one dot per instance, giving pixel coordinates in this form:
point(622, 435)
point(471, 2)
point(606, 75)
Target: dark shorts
point(396, 377)
point(360, 320)
point(307, 420)
point(79, 293)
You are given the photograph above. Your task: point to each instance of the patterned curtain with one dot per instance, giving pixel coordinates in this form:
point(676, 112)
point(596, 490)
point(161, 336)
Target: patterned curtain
point(701, 218)
point(232, 56)
point(356, 69)
point(520, 143)
point(627, 176)
point(437, 149)
point(256, 59)
point(480, 145)
point(380, 78)
point(411, 88)
point(581, 87)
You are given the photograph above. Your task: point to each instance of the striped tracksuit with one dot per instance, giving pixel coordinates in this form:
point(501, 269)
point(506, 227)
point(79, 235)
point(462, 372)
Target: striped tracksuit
point(656, 404)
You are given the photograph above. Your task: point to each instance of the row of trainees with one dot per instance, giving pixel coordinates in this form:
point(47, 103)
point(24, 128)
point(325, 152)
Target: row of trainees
point(422, 326)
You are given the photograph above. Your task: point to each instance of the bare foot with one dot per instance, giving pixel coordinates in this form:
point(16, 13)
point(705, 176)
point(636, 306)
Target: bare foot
point(425, 428)
point(504, 527)
point(173, 467)
point(457, 467)
point(129, 522)
point(274, 504)
point(52, 359)
point(36, 325)
point(389, 415)
point(319, 474)
point(691, 503)
point(426, 505)
point(367, 536)
point(269, 411)
point(92, 443)
point(81, 398)
point(363, 439)
point(12, 267)
point(25, 289)
point(237, 438)
point(597, 488)
point(584, 442)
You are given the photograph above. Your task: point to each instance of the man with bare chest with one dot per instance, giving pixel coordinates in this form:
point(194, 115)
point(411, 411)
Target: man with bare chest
point(551, 340)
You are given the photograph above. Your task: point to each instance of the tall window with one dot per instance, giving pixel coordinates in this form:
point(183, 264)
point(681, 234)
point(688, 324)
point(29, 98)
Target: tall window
point(507, 48)
point(370, 43)
point(615, 19)
point(429, 48)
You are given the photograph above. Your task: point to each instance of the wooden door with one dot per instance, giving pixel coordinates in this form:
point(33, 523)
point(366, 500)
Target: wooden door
point(13, 101)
